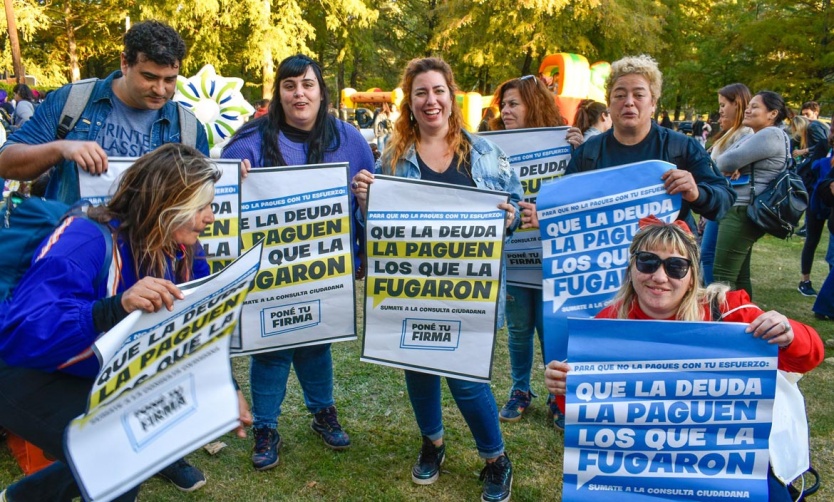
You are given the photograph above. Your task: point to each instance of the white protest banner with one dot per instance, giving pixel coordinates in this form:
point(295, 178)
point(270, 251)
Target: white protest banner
point(220, 240)
point(434, 269)
point(304, 293)
point(587, 222)
point(165, 386)
point(667, 410)
point(537, 156)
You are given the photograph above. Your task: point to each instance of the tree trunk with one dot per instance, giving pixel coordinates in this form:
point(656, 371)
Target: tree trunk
point(267, 64)
point(20, 74)
point(72, 48)
point(678, 105)
point(528, 62)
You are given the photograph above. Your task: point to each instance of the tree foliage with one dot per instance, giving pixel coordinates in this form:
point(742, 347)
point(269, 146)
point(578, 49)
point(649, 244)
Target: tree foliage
point(701, 45)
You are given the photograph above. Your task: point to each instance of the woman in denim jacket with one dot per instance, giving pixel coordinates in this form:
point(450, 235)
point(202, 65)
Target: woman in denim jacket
point(429, 143)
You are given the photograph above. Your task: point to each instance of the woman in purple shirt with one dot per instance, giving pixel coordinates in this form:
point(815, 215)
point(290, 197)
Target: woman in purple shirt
point(296, 131)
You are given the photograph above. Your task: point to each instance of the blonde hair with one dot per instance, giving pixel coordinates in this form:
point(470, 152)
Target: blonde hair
point(160, 193)
point(798, 126)
point(670, 237)
point(642, 65)
point(739, 95)
point(406, 130)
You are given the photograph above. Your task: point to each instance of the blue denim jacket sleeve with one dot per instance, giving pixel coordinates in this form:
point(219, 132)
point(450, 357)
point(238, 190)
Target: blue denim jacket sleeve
point(42, 128)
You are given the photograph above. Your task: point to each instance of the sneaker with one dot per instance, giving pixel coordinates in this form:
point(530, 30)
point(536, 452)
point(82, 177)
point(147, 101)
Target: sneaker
point(183, 475)
point(802, 232)
point(516, 406)
point(806, 289)
point(498, 480)
point(326, 424)
point(267, 444)
point(555, 413)
point(427, 469)
point(823, 317)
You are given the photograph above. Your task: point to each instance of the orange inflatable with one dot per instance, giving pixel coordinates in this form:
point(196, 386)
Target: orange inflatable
point(572, 79)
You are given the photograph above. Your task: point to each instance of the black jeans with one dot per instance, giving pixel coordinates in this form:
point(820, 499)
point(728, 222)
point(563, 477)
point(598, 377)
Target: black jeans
point(38, 406)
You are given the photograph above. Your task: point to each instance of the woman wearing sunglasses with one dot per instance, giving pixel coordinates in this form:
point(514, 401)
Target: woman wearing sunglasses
point(662, 283)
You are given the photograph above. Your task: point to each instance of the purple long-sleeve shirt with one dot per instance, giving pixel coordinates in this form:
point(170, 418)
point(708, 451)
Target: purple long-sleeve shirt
point(353, 149)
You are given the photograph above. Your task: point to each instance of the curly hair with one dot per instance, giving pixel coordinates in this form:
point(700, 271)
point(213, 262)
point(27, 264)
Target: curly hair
point(642, 65)
point(160, 193)
point(406, 130)
point(157, 41)
point(541, 107)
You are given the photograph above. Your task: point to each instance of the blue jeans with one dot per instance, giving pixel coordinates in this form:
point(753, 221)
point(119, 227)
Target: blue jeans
point(708, 240)
point(524, 318)
point(268, 378)
point(38, 406)
point(475, 402)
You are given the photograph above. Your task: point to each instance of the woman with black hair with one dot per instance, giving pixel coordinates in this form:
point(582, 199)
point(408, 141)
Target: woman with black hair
point(763, 155)
point(296, 131)
point(25, 108)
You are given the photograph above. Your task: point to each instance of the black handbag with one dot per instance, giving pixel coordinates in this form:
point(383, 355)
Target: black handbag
point(778, 209)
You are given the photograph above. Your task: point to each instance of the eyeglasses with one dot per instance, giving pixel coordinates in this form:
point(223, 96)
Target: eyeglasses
point(675, 267)
point(525, 77)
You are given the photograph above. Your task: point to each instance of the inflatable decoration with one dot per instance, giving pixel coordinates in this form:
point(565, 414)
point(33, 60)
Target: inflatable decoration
point(217, 103)
point(599, 74)
point(574, 80)
point(351, 98)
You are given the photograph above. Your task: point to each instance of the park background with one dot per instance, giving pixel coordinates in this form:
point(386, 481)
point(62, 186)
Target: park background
point(701, 45)
point(781, 45)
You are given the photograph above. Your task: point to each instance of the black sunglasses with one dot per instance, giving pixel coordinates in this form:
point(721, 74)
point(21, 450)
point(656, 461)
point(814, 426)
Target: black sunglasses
point(675, 267)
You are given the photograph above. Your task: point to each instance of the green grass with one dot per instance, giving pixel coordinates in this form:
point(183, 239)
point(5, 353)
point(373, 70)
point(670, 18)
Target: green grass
point(375, 411)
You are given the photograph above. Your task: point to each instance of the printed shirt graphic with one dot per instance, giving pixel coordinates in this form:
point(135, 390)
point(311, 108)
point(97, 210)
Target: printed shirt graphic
point(127, 131)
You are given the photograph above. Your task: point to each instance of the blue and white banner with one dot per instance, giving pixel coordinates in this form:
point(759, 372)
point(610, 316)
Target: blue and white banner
point(538, 157)
point(304, 292)
point(434, 277)
point(587, 223)
point(667, 410)
point(165, 385)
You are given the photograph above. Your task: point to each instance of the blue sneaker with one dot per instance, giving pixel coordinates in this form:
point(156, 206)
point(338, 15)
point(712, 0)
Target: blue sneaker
point(427, 469)
point(267, 444)
point(183, 475)
point(555, 413)
point(516, 406)
point(326, 424)
point(498, 480)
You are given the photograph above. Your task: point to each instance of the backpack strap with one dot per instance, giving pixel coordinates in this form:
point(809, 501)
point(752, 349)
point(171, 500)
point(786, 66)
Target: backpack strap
point(79, 210)
point(188, 126)
point(77, 100)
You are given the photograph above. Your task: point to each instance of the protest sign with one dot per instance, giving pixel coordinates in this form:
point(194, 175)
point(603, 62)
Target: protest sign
point(165, 385)
point(304, 292)
point(587, 222)
point(433, 280)
point(667, 410)
point(537, 156)
point(220, 240)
